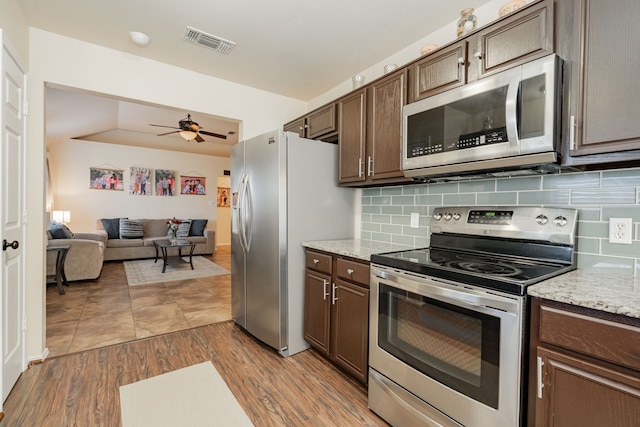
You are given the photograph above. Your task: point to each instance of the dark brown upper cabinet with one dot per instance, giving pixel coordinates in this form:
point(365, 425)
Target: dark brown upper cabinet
point(523, 36)
point(599, 43)
point(370, 134)
point(318, 124)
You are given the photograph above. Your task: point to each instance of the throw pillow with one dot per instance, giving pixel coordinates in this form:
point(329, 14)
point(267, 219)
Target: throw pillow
point(131, 229)
point(61, 231)
point(112, 227)
point(197, 227)
point(183, 229)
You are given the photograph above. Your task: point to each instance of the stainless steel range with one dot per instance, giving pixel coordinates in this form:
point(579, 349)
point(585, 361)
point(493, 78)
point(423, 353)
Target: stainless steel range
point(447, 337)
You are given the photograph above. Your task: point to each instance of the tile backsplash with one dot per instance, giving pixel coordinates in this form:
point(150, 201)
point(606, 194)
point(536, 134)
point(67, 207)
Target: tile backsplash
point(598, 196)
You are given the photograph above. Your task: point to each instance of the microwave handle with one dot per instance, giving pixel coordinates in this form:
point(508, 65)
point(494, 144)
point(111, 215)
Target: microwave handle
point(511, 112)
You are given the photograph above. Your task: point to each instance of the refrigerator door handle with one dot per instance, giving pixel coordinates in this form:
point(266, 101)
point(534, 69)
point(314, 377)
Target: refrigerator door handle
point(241, 213)
point(246, 227)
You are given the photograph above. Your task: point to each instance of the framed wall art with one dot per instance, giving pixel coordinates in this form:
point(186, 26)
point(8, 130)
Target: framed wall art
point(140, 181)
point(223, 197)
point(106, 179)
point(165, 182)
point(193, 185)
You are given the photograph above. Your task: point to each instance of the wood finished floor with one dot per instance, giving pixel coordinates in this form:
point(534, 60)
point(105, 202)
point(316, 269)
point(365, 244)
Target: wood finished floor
point(106, 311)
point(81, 389)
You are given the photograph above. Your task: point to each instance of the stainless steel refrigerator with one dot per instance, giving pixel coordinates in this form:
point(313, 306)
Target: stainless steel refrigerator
point(284, 192)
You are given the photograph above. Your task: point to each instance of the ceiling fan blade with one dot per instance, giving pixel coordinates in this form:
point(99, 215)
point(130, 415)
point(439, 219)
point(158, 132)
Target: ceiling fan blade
point(168, 133)
point(163, 126)
point(198, 138)
point(215, 135)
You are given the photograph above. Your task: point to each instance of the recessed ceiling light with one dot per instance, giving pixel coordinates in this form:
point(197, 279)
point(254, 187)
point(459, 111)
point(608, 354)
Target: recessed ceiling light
point(140, 39)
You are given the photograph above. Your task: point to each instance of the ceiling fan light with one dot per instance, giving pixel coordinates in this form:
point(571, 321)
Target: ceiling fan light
point(140, 39)
point(188, 134)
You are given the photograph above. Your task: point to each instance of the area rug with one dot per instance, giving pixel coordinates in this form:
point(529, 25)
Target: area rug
point(194, 396)
point(146, 271)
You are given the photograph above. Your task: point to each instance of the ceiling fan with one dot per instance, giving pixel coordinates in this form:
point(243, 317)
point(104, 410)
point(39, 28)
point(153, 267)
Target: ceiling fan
point(188, 129)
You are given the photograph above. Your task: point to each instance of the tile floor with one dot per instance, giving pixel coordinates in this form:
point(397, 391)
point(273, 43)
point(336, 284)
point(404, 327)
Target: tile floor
point(105, 311)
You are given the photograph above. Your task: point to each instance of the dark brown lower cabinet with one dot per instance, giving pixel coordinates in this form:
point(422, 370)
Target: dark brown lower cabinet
point(336, 310)
point(582, 394)
point(584, 368)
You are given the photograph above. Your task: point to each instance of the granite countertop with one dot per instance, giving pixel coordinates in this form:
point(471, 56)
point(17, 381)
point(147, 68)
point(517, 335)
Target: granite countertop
point(608, 292)
point(354, 248)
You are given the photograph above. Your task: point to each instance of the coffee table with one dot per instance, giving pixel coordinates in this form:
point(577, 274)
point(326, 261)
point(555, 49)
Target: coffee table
point(164, 245)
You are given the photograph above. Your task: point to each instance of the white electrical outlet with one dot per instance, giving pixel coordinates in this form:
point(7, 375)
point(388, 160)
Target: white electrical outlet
point(415, 220)
point(620, 230)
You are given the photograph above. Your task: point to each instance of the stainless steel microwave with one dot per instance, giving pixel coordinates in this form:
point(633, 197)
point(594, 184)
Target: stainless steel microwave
point(501, 122)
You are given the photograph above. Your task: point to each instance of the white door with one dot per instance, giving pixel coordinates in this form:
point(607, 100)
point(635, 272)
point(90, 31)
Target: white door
point(12, 227)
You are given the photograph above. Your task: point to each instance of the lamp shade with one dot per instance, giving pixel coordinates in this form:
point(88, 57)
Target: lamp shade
point(188, 134)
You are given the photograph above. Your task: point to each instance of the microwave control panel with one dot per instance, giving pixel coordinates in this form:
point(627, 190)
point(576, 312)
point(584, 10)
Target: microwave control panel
point(470, 140)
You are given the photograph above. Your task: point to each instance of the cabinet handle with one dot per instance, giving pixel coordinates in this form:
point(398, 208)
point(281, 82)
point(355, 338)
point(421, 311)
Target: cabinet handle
point(370, 166)
point(349, 271)
point(316, 260)
point(334, 297)
point(540, 385)
point(461, 60)
point(360, 164)
point(572, 132)
point(325, 282)
point(478, 55)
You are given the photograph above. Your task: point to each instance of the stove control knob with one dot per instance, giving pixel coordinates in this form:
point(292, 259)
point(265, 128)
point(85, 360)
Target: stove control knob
point(447, 216)
point(437, 216)
point(560, 220)
point(456, 216)
point(542, 219)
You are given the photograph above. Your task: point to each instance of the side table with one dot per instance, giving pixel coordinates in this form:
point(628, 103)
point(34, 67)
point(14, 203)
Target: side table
point(59, 276)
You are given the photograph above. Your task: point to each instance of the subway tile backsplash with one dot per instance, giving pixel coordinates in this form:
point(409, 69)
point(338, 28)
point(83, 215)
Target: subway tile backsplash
point(598, 196)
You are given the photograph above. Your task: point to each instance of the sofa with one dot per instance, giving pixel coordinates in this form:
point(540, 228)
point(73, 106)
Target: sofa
point(84, 259)
point(121, 243)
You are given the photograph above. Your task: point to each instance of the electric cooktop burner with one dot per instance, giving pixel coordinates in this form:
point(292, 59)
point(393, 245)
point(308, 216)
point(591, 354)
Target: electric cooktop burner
point(503, 248)
point(510, 274)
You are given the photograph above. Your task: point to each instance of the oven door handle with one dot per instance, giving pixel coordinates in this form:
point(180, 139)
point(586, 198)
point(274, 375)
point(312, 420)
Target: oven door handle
point(443, 291)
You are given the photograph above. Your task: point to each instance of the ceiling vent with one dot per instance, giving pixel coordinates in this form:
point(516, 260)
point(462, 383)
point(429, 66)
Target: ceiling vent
point(208, 40)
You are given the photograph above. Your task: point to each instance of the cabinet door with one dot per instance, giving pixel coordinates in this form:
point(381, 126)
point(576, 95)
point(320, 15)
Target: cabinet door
point(525, 36)
point(350, 328)
point(604, 95)
point(386, 98)
point(577, 393)
point(437, 72)
point(317, 291)
point(352, 132)
point(321, 121)
point(297, 126)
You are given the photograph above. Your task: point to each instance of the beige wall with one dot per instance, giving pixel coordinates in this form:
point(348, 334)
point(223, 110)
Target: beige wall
point(15, 29)
point(70, 161)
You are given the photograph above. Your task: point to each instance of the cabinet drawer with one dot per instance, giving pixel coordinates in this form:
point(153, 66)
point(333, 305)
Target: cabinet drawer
point(354, 271)
point(318, 262)
point(610, 341)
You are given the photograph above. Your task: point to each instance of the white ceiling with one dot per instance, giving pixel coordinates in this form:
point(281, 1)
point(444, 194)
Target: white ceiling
point(296, 48)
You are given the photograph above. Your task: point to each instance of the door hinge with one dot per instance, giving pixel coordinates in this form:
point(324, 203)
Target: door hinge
point(24, 324)
point(25, 109)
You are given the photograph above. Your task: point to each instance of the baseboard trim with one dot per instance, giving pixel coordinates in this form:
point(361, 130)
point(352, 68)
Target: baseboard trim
point(38, 360)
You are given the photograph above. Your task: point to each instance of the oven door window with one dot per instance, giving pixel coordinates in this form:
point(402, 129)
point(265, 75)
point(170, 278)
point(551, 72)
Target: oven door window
point(455, 346)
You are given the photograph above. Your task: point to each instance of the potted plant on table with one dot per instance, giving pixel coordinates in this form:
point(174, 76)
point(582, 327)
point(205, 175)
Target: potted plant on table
point(173, 225)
